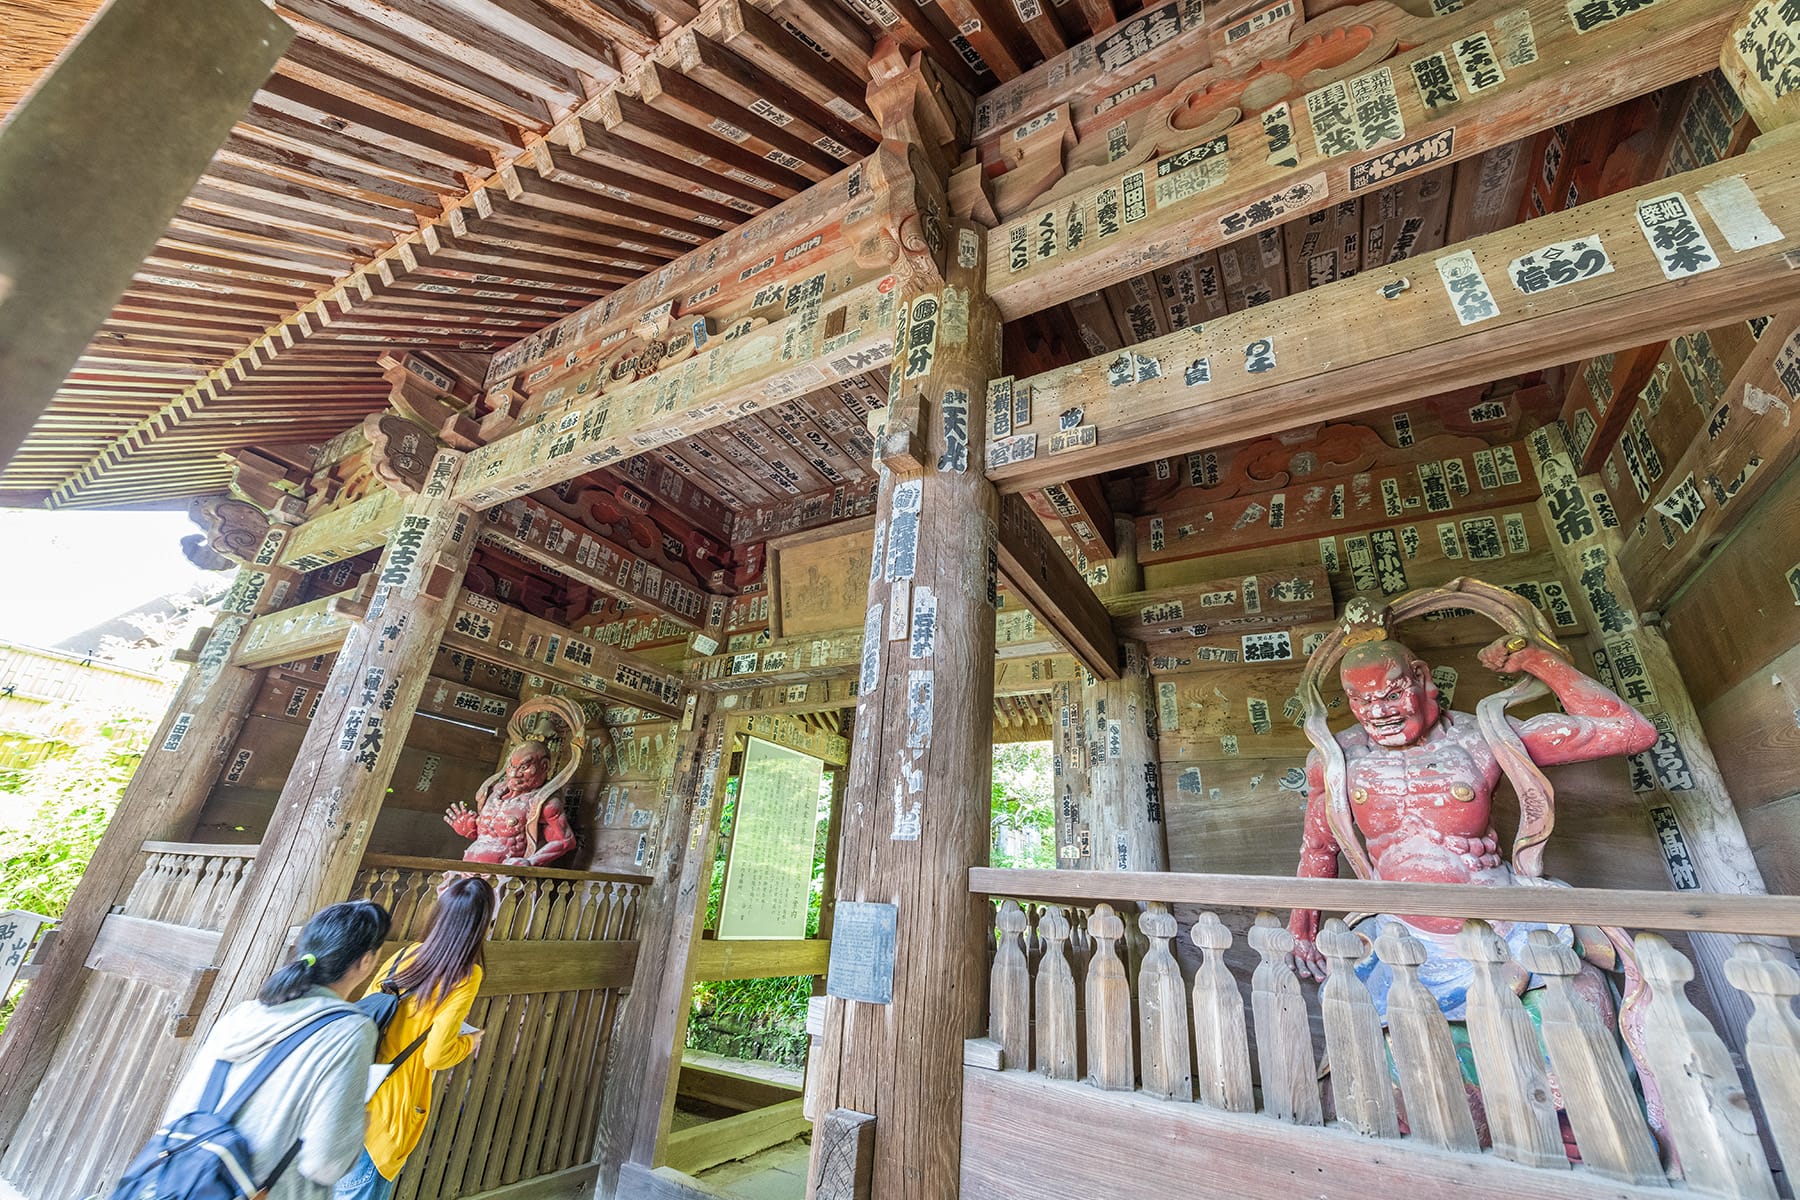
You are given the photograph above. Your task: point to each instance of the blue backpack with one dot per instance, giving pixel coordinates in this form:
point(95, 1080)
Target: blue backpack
point(202, 1156)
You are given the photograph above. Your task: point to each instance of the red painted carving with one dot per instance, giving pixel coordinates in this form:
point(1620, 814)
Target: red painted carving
point(518, 818)
point(1407, 792)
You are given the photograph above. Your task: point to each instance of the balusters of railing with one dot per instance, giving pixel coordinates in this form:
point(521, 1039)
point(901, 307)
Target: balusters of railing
point(1362, 1087)
point(1284, 1049)
point(212, 886)
point(1056, 1057)
point(1437, 1104)
point(1165, 1063)
point(1515, 1091)
point(1009, 989)
point(1709, 1115)
point(1110, 1064)
point(381, 890)
point(617, 915)
point(221, 896)
point(1221, 1041)
point(1598, 1098)
point(506, 909)
point(1772, 1040)
point(159, 874)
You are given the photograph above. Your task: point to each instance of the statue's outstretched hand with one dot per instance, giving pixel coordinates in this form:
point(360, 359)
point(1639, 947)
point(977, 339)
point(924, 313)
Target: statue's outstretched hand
point(461, 818)
point(1510, 655)
point(1305, 958)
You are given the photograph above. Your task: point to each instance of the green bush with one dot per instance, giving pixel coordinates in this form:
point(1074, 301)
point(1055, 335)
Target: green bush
point(53, 813)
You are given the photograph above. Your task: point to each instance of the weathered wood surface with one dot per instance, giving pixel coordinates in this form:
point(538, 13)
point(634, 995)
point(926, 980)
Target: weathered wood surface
point(1286, 1067)
point(642, 1072)
point(1710, 1116)
point(845, 1162)
point(121, 1046)
point(1412, 345)
point(715, 960)
point(1009, 988)
point(166, 793)
point(310, 854)
point(1437, 1108)
point(1598, 1096)
point(707, 1145)
point(1690, 911)
point(1041, 575)
point(1362, 1087)
point(1678, 780)
point(1578, 72)
point(1009, 1159)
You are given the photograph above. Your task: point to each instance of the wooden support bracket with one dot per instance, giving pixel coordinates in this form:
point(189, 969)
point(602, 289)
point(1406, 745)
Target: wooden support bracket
point(843, 1155)
point(191, 652)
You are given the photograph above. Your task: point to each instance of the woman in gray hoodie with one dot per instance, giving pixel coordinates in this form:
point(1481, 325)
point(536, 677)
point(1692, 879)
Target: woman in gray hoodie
point(315, 1097)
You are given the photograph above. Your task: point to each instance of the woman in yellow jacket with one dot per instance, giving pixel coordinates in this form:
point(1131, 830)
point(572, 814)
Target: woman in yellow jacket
point(436, 980)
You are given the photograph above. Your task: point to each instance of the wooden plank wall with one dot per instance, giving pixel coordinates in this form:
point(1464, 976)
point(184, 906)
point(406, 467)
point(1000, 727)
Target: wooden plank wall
point(1231, 760)
point(1735, 633)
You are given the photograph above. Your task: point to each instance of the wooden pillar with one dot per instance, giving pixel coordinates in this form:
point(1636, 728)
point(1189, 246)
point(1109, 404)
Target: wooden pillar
point(644, 1057)
point(162, 802)
point(327, 808)
point(1678, 781)
point(1109, 813)
point(917, 814)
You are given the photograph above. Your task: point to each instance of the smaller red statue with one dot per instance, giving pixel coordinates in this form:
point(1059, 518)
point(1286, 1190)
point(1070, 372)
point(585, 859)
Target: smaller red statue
point(518, 819)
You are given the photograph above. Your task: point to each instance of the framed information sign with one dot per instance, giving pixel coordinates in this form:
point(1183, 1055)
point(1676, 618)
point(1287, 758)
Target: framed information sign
point(769, 878)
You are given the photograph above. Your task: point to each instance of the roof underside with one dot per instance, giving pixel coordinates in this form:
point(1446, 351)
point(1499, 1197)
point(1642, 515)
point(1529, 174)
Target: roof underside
point(552, 150)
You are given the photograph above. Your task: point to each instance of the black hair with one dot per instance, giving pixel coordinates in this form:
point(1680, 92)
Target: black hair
point(451, 947)
point(332, 943)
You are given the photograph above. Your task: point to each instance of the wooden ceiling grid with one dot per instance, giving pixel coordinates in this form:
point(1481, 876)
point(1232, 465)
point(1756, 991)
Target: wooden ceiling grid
point(455, 176)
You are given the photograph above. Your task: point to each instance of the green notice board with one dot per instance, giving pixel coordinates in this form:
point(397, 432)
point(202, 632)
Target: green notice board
point(769, 879)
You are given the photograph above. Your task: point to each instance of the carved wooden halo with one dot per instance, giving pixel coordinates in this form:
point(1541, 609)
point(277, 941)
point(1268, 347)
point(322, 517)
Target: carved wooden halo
point(1515, 615)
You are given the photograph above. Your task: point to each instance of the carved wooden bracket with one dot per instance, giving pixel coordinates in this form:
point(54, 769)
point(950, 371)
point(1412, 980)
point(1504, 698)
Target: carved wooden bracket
point(231, 532)
point(400, 452)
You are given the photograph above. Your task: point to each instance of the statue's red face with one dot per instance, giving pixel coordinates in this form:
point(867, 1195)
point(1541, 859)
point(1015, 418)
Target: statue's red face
point(1389, 697)
point(526, 772)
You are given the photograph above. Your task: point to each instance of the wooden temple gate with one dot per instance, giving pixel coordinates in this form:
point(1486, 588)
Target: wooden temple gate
point(887, 388)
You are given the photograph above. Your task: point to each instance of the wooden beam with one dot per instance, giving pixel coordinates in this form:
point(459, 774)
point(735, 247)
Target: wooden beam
point(511, 637)
point(718, 960)
point(731, 1138)
point(1204, 205)
point(728, 1089)
point(1345, 347)
point(1749, 445)
point(158, 952)
point(1041, 575)
point(1714, 912)
point(758, 370)
point(1011, 1159)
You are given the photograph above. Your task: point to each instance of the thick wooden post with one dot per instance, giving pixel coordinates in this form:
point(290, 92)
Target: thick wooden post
point(1108, 786)
point(1678, 781)
point(328, 806)
point(643, 1057)
point(920, 769)
point(161, 802)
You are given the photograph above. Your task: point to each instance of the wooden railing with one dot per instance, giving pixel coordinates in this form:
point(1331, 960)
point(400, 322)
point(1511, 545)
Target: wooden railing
point(1064, 1004)
point(151, 971)
point(562, 946)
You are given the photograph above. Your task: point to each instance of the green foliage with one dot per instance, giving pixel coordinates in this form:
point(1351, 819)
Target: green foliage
point(758, 1018)
point(53, 812)
point(1024, 817)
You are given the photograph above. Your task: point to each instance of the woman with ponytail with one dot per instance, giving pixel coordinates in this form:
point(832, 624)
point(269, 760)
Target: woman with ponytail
point(436, 980)
point(313, 1100)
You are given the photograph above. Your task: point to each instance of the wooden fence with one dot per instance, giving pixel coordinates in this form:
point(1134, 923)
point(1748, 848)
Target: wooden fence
point(562, 947)
point(151, 970)
point(1078, 1015)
